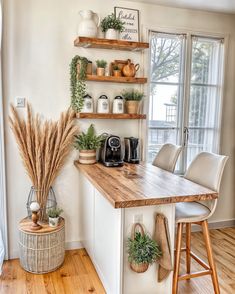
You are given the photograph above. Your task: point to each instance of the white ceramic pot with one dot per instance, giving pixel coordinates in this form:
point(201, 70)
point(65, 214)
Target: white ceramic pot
point(88, 106)
point(53, 221)
point(118, 104)
point(112, 34)
point(88, 26)
point(103, 104)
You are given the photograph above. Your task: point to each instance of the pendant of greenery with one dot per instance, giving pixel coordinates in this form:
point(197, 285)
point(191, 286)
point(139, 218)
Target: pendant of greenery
point(77, 82)
point(142, 249)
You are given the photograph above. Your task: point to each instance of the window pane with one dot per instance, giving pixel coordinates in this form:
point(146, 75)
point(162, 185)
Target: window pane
point(205, 60)
point(165, 57)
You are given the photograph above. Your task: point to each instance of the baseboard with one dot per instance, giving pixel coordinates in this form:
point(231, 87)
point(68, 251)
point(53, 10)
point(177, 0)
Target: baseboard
point(216, 225)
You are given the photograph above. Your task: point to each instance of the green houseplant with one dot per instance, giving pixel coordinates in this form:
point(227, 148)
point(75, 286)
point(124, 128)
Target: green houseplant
point(116, 71)
point(112, 26)
point(133, 98)
point(78, 71)
point(54, 215)
point(101, 65)
point(142, 250)
point(87, 143)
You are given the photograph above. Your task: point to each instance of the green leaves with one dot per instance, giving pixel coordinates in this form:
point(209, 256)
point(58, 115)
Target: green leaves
point(132, 95)
point(77, 82)
point(54, 212)
point(142, 249)
point(101, 63)
point(111, 22)
point(88, 141)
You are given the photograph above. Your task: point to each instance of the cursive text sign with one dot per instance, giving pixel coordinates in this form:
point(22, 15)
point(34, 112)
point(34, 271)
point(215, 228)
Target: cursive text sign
point(130, 17)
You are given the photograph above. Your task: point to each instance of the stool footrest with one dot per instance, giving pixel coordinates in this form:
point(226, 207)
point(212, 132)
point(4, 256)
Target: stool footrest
point(194, 275)
point(200, 261)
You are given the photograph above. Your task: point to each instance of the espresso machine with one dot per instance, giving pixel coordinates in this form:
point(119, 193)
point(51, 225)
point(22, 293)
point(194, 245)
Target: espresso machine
point(111, 151)
point(131, 150)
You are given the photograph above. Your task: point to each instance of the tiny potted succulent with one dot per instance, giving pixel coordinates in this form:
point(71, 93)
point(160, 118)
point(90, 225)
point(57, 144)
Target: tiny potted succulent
point(116, 71)
point(133, 98)
point(87, 144)
point(112, 26)
point(142, 250)
point(54, 216)
point(101, 65)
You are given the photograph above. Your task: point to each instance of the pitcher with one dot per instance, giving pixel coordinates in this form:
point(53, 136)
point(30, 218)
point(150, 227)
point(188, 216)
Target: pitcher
point(89, 24)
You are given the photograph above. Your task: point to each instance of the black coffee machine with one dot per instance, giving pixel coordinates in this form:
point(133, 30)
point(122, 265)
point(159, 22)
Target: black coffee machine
point(131, 150)
point(111, 151)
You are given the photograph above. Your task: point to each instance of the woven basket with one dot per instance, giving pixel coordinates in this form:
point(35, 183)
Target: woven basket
point(141, 267)
point(87, 156)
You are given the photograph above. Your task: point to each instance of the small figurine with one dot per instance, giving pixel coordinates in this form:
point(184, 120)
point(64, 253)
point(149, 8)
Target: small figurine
point(35, 207)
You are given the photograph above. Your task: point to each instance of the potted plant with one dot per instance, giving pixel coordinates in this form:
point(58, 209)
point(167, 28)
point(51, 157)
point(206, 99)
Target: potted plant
point(87, 143)
point(78, 72)
point(142, 250)
point(116, 71)
point(112, 26)
point(101, 65)
point(54, 216)
point(133, 98)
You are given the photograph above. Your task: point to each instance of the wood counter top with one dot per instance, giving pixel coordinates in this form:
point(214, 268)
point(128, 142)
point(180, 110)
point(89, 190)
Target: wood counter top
point(142, 184)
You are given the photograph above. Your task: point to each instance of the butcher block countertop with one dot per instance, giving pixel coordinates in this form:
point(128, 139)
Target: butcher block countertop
point(142, 185)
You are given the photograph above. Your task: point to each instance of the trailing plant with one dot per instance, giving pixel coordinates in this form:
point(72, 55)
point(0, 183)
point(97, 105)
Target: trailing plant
point(142, 249)
point(101, 63)
point(111, 22)
point(44, 147)
point(115, 67)
point(89, 140)
point(132, 95)
point(77, 82)
point(54, 212)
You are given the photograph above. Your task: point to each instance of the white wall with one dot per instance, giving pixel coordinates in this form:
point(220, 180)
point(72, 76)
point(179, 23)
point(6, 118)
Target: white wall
point(38, 47)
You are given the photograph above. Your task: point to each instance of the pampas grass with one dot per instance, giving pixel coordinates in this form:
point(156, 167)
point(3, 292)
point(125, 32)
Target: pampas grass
point(44, 148)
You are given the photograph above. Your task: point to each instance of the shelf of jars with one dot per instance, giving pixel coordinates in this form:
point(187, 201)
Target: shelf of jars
point(81, 115)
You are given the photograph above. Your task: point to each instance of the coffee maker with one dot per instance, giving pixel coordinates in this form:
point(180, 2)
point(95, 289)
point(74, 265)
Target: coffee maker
point(131, 150)
point(111, 151)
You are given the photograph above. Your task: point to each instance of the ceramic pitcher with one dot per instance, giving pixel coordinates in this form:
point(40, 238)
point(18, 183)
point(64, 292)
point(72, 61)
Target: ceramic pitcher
point(88, 26)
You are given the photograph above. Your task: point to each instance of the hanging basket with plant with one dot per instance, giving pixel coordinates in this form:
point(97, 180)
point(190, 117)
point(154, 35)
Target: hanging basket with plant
point(78, 71)
point(142, 250)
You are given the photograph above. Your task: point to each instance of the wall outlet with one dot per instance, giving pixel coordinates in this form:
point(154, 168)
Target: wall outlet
point(20, 102)
point(138, 218)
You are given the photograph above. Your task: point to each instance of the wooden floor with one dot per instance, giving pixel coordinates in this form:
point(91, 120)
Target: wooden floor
point(78, 276)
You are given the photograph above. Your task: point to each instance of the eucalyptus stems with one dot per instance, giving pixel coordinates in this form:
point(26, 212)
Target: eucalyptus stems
point(77, 81)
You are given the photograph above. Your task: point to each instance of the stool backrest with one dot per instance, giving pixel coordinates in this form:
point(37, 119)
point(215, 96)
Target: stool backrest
point(207, 169)
point(167, 157)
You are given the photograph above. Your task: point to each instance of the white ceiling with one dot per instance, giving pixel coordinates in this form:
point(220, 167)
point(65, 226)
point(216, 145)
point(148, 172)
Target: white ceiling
point(227, 6)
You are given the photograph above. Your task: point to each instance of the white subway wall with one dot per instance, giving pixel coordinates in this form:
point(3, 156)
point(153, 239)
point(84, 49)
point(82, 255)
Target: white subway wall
point(37, 49)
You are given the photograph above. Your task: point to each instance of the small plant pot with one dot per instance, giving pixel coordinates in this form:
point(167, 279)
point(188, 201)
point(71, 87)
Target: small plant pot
point(132, 107)
point(100, 71)
point(87, 156)
point(117, 73)
point(53, 221)
point(139, 268)
point(112, 34)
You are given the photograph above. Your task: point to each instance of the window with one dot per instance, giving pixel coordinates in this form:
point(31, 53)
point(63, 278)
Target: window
point(185, 94)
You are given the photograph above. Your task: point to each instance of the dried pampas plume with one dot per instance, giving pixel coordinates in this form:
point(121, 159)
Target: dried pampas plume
point(44, 147)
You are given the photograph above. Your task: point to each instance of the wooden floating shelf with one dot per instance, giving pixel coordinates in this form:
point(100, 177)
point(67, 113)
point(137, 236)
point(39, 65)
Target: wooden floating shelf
point(110, 44)
point(113, 79)
point(110, 116)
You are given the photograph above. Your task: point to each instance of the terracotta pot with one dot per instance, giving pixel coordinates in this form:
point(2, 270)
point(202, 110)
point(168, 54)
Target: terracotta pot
point(87, 156)
point(130, 69)
point(117, 73)
point(132, 107)
point(139, 268)
point(100, 71)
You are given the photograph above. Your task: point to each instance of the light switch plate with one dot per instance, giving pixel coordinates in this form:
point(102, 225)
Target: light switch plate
point(20, 102)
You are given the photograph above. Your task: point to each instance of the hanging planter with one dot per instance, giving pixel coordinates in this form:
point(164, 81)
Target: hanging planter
point(142, 250)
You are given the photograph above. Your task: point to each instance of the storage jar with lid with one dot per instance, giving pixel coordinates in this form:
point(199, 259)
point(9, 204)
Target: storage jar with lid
point(118, 104)
point(88, 106)
point(103, 104)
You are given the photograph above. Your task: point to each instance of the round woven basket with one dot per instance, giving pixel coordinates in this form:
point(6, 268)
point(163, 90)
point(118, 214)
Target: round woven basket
point(87, 156)
point(138, 267)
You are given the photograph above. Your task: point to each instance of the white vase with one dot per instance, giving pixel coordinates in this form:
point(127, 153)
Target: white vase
point(88, 26)
point(112, 34)
point(53, 221)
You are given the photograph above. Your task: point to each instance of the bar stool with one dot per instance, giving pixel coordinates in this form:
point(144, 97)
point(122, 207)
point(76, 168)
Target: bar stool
point(206, 170)
point(167, 157)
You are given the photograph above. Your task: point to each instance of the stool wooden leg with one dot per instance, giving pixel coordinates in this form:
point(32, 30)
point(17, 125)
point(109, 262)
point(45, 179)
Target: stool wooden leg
point(188, 248)
point(177, 258)
point(206, 236)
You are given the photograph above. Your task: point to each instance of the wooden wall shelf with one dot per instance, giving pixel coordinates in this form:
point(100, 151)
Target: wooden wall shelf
point(110, 116)
point(110, 44)
point(113, 79)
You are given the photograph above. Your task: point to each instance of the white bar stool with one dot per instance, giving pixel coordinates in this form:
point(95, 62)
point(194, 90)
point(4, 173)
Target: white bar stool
point(207, 170)
point(167, 157)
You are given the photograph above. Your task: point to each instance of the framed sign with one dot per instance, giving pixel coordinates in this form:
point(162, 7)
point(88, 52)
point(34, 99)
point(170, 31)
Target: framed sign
point(130, 17)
